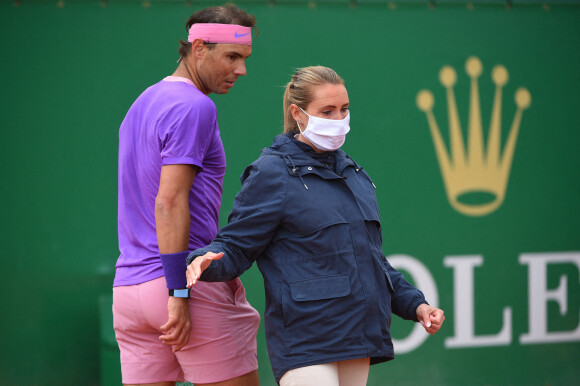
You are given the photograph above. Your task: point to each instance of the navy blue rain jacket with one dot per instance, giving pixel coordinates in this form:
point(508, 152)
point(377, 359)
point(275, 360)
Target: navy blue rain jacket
point(315, 233)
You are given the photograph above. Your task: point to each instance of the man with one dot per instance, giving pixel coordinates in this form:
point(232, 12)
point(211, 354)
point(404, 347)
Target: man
point(171, 168)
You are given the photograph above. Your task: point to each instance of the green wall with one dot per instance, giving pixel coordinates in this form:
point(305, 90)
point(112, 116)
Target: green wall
point(70, 70)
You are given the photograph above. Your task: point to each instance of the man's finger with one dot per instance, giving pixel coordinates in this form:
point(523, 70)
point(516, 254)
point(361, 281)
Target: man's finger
point(170, 338)
point(167, 326)
point(176, 339)
point(181, 342)
point(166, 339)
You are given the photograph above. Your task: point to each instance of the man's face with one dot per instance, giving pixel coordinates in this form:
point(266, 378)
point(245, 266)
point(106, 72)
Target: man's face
point(220, 67)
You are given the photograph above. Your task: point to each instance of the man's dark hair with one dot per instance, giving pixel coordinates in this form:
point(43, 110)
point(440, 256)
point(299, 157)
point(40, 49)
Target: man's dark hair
point(226, 14)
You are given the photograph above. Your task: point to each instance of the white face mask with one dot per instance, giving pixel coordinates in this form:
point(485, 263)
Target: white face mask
point(326, 134)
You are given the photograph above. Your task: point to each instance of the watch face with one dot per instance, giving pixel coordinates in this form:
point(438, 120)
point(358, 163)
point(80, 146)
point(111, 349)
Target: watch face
point(179, 293)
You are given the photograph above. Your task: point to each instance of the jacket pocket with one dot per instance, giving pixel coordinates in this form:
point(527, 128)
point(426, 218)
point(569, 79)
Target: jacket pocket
point(320, 318)
point(320, 288)
point(381, 264)
point(389, 281)
point(386, 291)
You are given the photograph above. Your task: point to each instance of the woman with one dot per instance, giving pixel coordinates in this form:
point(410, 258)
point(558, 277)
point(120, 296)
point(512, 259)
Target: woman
point(308, 214)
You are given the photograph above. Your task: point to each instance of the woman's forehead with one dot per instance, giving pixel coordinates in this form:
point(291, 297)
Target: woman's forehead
point(334, 94)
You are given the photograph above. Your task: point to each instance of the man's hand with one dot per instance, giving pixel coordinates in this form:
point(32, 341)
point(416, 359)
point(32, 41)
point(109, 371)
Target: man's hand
point(200, 264)
point(178, 328)
point(430, 317)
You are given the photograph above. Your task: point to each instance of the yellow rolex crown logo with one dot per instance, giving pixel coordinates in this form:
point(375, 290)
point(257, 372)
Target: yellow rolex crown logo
point(473, 171)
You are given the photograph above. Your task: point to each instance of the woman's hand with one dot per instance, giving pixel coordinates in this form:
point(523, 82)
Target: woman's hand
point(199, 265)
point(430, 317)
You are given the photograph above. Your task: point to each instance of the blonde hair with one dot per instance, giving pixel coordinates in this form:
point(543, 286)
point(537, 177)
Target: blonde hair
point(299, 90)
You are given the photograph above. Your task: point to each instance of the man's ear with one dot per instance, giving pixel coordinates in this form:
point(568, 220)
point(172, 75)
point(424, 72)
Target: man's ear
point(198, 48)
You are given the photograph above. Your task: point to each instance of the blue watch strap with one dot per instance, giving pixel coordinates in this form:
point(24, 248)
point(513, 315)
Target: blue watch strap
point(179, 293)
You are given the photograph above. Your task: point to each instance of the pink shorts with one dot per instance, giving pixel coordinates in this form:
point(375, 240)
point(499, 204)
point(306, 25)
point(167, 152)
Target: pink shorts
point(222, 344)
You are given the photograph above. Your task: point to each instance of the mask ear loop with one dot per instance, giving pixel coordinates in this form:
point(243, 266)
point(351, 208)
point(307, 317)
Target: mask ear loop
point(298, 124)
point(301, 132)
point(300, 121)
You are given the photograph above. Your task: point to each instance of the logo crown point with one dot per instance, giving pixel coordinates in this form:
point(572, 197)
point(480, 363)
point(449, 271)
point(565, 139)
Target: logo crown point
point(447, 76)
point(473, 67)
point(523, 98)
point(499, 75)
point(425, 100)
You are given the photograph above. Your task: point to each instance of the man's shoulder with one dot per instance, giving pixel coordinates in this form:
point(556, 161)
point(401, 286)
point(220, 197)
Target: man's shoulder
point(180, 95)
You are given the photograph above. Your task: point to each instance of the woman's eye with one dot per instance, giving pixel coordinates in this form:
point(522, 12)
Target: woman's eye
point(326, 112)
point(344, 110)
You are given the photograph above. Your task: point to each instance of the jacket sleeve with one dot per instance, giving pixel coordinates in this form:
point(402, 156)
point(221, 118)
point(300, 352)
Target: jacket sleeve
point(406, 298)
point(257, 211)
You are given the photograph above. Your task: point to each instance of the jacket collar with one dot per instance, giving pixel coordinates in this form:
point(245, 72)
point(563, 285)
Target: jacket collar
point(295, 157)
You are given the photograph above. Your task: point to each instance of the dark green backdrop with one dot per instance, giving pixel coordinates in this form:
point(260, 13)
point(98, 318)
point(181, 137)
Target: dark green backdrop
point(71, 69)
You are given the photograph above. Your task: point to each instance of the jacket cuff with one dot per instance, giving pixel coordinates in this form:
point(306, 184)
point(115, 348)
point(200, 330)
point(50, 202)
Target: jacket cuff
point(193, 255)
point(414, 305)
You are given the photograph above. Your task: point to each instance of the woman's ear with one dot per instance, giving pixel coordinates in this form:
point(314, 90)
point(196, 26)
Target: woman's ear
point(296, 112)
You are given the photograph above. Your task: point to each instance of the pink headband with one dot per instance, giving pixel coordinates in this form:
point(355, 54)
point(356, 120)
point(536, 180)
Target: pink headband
point(221, 33)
